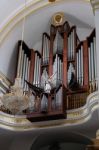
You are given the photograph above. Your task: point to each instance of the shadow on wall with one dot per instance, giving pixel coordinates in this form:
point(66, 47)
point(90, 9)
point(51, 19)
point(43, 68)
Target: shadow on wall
point(61, 140)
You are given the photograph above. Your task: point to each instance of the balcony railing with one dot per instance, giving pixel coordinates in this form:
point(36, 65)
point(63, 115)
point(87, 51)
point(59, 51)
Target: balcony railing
point(77, 100)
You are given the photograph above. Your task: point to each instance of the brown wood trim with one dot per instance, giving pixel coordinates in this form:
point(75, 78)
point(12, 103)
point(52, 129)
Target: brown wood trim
point(32, 63)
point(85, 60)
point(65, 50)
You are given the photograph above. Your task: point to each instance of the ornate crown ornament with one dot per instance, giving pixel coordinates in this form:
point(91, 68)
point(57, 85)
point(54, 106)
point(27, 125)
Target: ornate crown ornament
point(58, 18)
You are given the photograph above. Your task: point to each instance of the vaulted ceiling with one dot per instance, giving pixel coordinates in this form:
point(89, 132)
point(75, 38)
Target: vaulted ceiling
point(38, 19)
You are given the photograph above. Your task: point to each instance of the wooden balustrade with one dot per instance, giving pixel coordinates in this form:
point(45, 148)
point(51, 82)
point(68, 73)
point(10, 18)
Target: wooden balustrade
point(76, 100)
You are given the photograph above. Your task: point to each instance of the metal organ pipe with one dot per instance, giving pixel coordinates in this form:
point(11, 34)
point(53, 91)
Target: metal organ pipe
point(89, 52)
point(68, 47)
point(77, 67)
point(58, 98)
point(45, 49)
point(26, 74)
point(24, 69)
point(57, 69)
point(37, 71)
point(58, 43)
point(73, 43)
point(71, 46)
point(80, 71)
point(19, 61)
point(92, 62)
point(35, 67)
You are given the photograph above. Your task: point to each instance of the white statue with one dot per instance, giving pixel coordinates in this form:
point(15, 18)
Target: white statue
point(47, 82)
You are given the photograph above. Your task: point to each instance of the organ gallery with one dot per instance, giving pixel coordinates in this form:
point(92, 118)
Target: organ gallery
point(60, 76)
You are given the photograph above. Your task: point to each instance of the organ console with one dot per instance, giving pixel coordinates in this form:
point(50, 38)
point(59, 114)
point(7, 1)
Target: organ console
point(61, 76)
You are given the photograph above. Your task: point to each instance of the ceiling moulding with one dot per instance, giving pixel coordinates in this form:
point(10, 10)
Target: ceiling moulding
point(31, 7)
point(95, 4)
point(74, 117)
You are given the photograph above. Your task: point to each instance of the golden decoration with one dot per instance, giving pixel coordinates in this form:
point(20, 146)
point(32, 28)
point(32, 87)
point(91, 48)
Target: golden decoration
point(58, 18)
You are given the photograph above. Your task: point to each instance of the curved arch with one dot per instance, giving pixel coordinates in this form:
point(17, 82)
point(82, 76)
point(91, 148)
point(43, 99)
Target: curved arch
point(31, 8)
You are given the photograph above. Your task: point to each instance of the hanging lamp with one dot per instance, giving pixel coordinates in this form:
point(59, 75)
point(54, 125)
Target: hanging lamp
point(16, 101)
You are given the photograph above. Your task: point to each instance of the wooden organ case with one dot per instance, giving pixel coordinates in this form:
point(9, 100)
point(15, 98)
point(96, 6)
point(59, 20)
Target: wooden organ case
point(61, 76)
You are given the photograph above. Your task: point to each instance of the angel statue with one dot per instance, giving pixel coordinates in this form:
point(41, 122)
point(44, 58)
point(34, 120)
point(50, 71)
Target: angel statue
point(47, 84)
point(42, 92)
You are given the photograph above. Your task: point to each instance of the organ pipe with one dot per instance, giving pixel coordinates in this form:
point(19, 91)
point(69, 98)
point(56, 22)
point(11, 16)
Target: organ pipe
point(46, 47)
point(37, 66)
point(58, 43)
point(19, 61)
point(58, 98)
point(71, 45)
point(44, 103)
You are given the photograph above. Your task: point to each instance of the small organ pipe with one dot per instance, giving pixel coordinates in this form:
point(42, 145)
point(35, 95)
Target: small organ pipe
point(24, 69)
point(92, 67)
point(77, 67)
point(35, 67)
point(82, 65)
point(89, 64)
point(73, 43)
point(19, 61)
point(71, 46)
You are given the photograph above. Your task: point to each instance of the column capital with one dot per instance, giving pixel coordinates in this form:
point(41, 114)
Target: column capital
point(95, 4)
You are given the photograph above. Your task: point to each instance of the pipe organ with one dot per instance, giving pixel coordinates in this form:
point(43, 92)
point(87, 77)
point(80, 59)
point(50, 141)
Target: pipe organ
point(61, 75)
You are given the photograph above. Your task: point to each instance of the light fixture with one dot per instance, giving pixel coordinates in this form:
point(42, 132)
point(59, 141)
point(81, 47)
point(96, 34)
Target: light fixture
point(16, 101)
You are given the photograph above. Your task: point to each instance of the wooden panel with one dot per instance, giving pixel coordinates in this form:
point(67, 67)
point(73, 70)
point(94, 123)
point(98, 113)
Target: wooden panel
point(31, 74)
point(85, 60)
point(65, 60)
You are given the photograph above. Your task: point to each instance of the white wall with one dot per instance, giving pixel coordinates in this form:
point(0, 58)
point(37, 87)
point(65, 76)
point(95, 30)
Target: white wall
point(8, 52)
point(83, 33)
